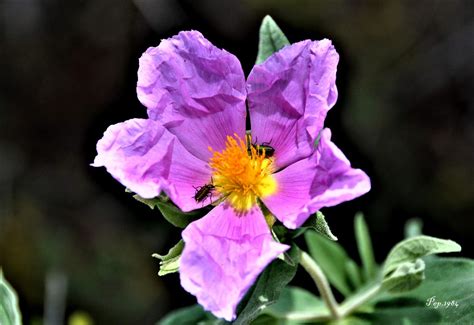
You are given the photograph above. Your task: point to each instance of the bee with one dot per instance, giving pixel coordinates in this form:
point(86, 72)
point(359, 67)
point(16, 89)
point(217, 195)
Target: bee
point(261, 149)
point(264, 148)
point(203, 192)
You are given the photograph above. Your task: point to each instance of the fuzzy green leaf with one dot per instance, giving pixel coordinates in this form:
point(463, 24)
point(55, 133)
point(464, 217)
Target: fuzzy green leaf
point(409, 250)
point(445, 297)
point(316, 222)
point(169, 263)
point(171, 212)
point(407, 276)
point(271, 40)
point(332, 259)
point(9, 309)
point(267, 289)
point(364, 246)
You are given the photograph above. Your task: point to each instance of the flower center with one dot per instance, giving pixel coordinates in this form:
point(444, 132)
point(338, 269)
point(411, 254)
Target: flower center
point(240, 174)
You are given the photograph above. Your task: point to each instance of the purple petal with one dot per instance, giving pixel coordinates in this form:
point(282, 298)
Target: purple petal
point(195, 90)
point(223, 255)
point(138, 154)
point(147, 159)
point(321, 180)
point(289, 95)
point(187, 173)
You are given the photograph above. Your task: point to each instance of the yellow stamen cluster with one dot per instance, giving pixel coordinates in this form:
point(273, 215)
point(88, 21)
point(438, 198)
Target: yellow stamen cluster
point(241, 175)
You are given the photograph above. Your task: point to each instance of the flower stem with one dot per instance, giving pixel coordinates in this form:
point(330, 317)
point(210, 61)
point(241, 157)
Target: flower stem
point(351, 304)
point(322, 283)
point(336, 311)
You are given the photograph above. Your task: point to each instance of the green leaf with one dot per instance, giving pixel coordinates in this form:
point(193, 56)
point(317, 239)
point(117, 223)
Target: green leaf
point(316, 222)
point(413, 228)
point(169, 263)
point(445, 297)
point(364, 246)
point(407, 276)
point(171, 212)
point(9, 309)
point(272, 39)
point(190, 316)
point(280, 232)
point(152, 203)
point(332, 259)
point(296, 300)
point(413, 248)
point(267, 289)
point(293, 305)
point(354, 274)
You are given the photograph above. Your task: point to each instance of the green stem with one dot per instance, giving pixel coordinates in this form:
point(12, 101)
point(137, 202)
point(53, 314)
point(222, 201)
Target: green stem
point(351, 304)
point(322, 283)
point(305, 317)
point(336, 311)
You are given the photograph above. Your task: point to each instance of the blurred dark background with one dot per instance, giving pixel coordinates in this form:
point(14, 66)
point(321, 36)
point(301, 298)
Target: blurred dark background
point(68, 70)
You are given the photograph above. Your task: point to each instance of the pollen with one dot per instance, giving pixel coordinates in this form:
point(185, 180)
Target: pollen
point(241, 175)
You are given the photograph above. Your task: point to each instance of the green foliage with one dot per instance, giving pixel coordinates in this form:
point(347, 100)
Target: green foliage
point(409, 250)
point(268, 287)
point(444, 297)
point(280, 232)
point(190, 316)
point(403, 268)
point(294, 304)
point(9, 309)
point(364, 245)
point(152, 203)
point(271, 40)
point(171, 212)
point(169, 263)
point(332, 259)
point(401, 294)
point(354, 274)
point(407, 276)
point(316, 222)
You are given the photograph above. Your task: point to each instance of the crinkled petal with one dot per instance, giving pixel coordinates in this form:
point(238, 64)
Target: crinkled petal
point(289, 95)
point(147, 159)
point(187, 174)
point(321, 180)
point(138, 154)
point(195, 90)
point(223, 255)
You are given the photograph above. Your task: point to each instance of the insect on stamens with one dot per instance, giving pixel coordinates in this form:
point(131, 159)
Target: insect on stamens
point(265, 149)
point(262, 149)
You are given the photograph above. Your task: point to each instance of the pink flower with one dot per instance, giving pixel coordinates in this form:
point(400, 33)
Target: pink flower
point(196, 98)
